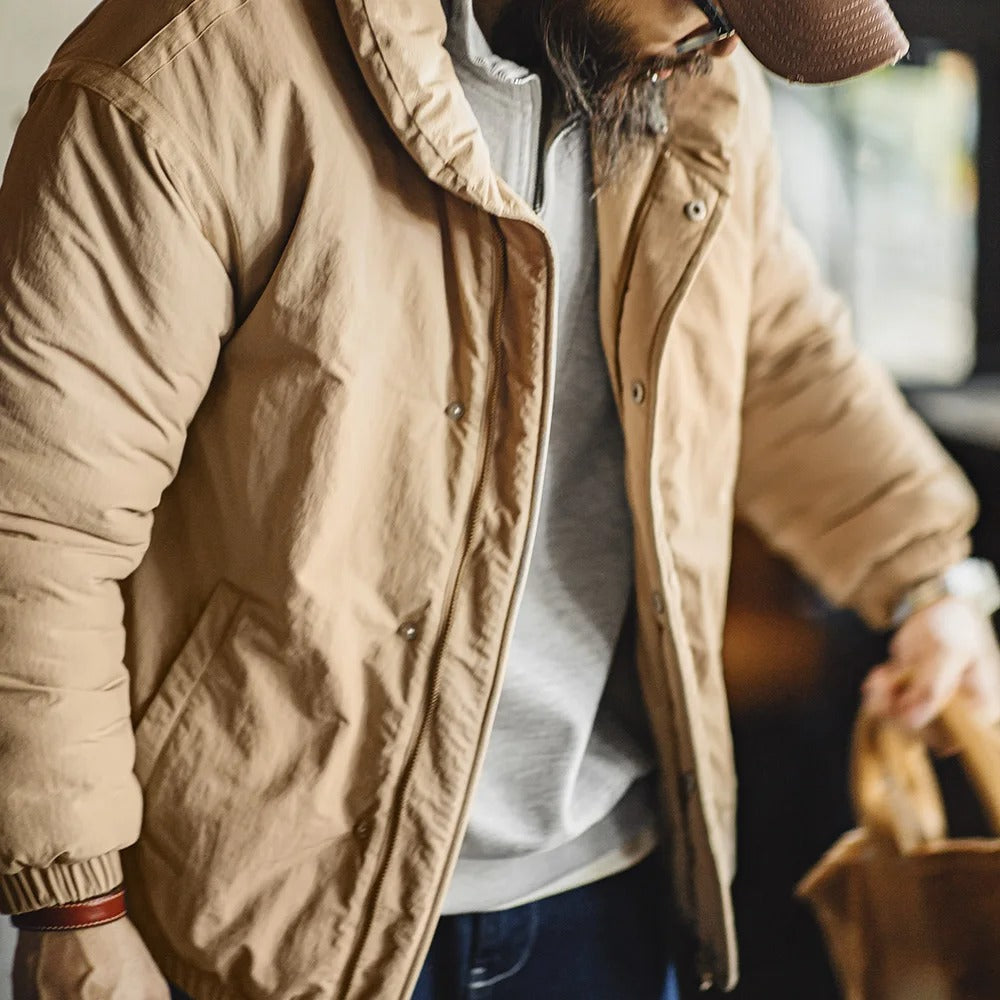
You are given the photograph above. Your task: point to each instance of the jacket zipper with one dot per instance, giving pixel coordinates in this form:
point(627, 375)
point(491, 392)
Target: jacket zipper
point(540, 463)
point(413, 751)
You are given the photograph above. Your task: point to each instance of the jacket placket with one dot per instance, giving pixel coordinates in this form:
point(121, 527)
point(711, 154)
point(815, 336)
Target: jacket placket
point(682, 210)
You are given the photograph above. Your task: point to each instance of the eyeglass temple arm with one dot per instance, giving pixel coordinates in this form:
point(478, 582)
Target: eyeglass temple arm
point(716, 17)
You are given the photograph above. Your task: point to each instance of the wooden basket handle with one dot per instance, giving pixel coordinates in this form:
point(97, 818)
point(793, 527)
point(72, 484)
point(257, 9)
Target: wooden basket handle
point(894, 787)
point(979, 746)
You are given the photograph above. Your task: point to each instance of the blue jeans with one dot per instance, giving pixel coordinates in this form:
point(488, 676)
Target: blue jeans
point(606, 941)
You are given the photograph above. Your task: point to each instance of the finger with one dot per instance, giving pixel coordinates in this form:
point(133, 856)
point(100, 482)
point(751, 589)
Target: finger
point(905, 688)
point(884, 687)
point(878, 690)
point(932, 682)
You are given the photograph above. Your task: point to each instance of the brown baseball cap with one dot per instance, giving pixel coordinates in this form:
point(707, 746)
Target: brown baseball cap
point(818, 41)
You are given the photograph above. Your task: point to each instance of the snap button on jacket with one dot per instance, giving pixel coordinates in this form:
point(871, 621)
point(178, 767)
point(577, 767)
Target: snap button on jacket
point(258, 572)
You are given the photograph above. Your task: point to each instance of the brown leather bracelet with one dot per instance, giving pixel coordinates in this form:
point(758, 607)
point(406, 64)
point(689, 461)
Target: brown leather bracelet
point(74, 916)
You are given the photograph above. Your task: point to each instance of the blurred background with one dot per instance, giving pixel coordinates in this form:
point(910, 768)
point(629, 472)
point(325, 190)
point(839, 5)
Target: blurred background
point(895, 179)
point(890, 178)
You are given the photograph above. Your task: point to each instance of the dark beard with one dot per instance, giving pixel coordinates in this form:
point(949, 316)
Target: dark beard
point(592, 58)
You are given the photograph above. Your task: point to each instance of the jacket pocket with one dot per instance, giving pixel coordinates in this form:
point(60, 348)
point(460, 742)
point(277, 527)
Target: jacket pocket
point(259, 795)
point(210, 631)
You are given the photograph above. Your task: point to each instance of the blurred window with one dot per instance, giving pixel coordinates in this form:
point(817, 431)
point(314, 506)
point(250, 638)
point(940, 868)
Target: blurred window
point(881, 175)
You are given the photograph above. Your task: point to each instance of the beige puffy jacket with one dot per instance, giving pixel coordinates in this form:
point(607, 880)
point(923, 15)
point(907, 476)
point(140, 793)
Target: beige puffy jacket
point(252, 255)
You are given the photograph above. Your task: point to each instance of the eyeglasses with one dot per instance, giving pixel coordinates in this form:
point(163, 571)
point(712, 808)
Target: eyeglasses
point(721, 29)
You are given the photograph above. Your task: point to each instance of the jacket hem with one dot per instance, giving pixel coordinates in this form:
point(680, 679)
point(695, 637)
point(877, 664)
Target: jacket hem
point(37, 888)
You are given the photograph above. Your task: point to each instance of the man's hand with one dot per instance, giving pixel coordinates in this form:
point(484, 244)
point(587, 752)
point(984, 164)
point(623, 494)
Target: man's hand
point(942, 650)
point(109, 962)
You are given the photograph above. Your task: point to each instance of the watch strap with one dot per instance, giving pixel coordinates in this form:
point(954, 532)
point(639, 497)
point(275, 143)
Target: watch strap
point(974, 580)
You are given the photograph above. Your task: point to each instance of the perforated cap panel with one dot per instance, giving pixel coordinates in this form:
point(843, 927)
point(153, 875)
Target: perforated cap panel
point(819, 41)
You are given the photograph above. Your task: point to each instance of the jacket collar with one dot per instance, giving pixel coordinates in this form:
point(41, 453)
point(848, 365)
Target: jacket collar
point(400, 48)
point(705, 119)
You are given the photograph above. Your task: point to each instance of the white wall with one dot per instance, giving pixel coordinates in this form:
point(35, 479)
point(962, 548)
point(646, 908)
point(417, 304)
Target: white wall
point(30, 31)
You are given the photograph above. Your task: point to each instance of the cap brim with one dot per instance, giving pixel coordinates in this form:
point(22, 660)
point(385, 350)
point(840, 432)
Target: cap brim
point(819, 41)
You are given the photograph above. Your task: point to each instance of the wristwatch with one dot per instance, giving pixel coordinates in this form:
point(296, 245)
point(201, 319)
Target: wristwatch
point(974, 580)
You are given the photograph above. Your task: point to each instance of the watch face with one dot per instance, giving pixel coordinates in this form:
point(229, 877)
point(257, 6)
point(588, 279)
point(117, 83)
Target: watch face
point(975, 580)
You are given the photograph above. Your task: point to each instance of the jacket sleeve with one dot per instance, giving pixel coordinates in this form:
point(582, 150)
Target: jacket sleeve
point(113, 305)
point(837, 473)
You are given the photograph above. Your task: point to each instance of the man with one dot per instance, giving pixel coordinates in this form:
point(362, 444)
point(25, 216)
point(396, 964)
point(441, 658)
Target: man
point(443, 341)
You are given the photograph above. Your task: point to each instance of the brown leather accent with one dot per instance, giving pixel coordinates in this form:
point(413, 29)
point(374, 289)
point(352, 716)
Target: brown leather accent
point(74, 916)
point(819, 41)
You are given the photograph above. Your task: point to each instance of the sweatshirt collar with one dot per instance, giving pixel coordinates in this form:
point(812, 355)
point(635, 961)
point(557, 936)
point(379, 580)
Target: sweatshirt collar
point(506, 98)
point(468, 46)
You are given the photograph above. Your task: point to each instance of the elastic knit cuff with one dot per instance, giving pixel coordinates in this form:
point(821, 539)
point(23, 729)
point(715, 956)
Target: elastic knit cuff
point(37, 888)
